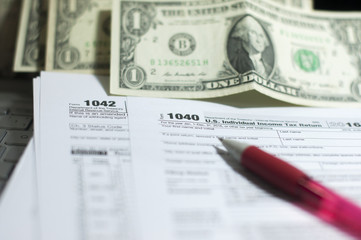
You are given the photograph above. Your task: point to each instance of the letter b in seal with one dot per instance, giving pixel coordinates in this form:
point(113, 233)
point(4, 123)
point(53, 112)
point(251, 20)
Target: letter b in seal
point(182, 44)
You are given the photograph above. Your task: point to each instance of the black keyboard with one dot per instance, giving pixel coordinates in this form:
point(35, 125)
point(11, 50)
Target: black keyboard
point(16, 129)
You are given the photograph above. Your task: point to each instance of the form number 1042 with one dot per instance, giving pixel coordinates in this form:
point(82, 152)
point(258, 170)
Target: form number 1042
point(96, 103)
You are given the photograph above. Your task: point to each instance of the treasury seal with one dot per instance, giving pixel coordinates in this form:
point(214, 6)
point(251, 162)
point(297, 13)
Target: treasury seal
point(307, 60)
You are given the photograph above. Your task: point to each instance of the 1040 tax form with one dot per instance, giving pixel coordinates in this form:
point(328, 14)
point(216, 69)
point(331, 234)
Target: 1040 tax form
point(195, 192)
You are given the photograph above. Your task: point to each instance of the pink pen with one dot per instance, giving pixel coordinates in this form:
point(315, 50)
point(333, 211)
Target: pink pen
point(322, 201)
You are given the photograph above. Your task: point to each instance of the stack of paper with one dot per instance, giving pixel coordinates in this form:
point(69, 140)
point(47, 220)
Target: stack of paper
point(111, 167)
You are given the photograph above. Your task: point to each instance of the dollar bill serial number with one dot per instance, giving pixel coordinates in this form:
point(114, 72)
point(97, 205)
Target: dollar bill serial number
point(179, 62)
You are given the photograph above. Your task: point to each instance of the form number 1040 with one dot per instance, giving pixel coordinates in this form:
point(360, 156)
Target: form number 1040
point(180, 116)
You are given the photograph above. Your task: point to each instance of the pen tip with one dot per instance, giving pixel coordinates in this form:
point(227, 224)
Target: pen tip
point(220, 139)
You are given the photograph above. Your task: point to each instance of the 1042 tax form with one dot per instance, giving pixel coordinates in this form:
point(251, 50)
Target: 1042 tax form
point(83, 158)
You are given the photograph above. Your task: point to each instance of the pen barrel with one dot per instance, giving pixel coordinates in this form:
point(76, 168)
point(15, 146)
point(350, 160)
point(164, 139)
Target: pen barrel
point(323, 202)
point(273, 170)
point(331, 207)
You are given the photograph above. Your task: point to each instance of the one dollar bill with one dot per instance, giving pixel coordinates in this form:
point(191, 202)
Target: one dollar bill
point(30, 47)
point(79, 36)
point(204, 49)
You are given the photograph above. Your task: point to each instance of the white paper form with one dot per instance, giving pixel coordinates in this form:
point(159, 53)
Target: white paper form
point(84, 162)
point(193, 193)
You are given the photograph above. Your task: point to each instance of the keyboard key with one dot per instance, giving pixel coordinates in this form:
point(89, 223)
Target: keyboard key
point(18, 138)
point(15, 122)
point(2, 134)
point(5, 170)
point(21, 111)
point(13, 154)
